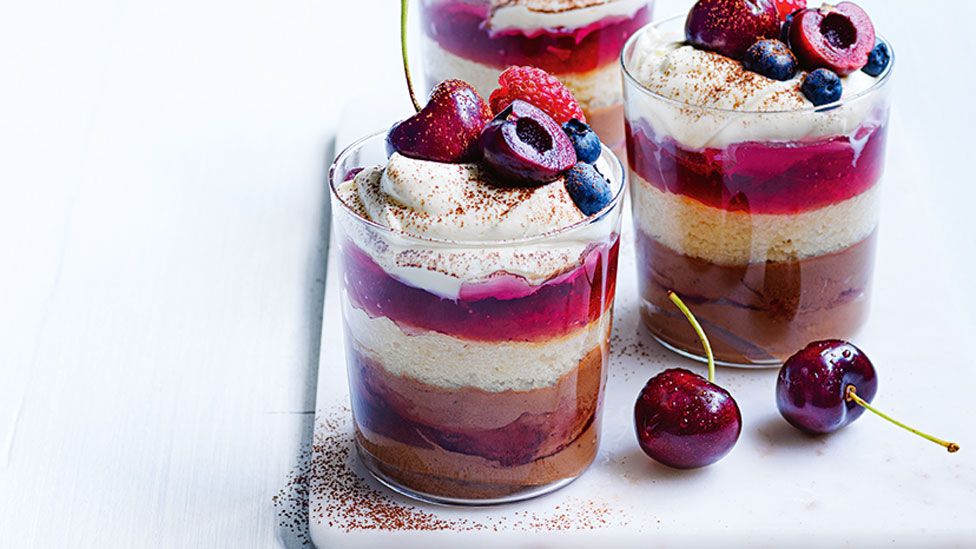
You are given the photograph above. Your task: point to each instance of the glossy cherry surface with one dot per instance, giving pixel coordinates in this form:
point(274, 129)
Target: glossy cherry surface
point(685, 421)
point(811, 390)
point(447, 128)
point(729, 27)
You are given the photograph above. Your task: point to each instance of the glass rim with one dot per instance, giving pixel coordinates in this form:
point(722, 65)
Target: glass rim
point(615, 200)
point(882, 79)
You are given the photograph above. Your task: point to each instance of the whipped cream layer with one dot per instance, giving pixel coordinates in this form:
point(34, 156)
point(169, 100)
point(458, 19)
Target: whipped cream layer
point(419, 200)
point(489, 366)
point(729, 96)
point(454, 202)
point(728, 237)
point(596, 89)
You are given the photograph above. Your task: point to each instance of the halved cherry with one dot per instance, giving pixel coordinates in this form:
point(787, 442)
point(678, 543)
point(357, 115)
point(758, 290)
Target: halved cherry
point(838, 38)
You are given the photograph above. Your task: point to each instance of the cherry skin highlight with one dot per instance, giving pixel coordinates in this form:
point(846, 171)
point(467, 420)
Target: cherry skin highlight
point(729, 27)
point(446, 129)
point(684, 421)
point(812, 384)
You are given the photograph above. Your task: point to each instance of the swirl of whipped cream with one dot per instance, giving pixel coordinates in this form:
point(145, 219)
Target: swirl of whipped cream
point(738, 105)
point(453, 202)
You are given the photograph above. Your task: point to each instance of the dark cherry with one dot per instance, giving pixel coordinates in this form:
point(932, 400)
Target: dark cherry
point(447, 128)
point(827, 385)
point(729, 27)
point(524, 146)
point(838, 38)
point(684, 420)
point(810, 390)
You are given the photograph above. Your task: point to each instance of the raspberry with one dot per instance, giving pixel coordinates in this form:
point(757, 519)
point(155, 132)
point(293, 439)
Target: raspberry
point(539, 88)
point(786, 7)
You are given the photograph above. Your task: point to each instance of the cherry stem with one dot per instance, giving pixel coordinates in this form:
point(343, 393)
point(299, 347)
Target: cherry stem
point(403, 51)
point(851, 394)
point(698, 330)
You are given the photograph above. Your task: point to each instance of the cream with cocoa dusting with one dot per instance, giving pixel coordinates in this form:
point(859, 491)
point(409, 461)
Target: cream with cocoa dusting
point(663, 64)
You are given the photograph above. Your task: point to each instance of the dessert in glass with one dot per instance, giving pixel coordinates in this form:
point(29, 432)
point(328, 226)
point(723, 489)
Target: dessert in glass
point(756, 199)
point(578, 41)
point(477, 302)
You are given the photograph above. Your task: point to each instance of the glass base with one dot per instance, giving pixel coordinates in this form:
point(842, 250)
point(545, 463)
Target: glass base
point(702, 358)
point(520, 493)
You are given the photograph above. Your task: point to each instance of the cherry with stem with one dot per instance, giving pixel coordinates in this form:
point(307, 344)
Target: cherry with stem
point(827, 385)
point(683, 420)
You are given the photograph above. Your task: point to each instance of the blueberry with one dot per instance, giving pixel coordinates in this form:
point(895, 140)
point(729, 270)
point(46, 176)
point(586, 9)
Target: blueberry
point(784, 30)
point(878, 59)
point(822, 86)
point(585, 141)
point(770, 58)
point(588, 188)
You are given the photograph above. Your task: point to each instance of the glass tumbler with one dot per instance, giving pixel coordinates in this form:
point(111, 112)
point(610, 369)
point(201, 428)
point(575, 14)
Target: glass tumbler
point(476, 369)
point(765, 223)
point(473, 41)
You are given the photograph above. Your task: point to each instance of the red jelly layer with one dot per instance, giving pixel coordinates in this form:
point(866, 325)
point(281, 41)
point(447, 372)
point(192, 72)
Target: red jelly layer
point(503, 308)
point(762, 177)
point(462, 29)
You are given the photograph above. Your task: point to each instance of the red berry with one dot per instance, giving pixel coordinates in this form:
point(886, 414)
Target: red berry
point(786, 7)
point(539, 88)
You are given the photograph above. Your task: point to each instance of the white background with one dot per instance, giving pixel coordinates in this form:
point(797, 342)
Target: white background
point(162, 258)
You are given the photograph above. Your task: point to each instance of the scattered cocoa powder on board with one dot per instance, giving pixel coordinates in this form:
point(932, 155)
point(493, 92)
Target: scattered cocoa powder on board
point(344, 501)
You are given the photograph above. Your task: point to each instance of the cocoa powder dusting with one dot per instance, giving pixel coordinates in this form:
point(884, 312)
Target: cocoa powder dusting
point(326, 489)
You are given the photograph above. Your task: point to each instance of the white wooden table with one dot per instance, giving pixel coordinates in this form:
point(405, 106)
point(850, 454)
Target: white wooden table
point(163, 216)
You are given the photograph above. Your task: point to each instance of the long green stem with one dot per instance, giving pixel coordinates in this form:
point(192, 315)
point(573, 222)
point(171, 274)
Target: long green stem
point(698, 330)
point(852, 395)
point(403, 52)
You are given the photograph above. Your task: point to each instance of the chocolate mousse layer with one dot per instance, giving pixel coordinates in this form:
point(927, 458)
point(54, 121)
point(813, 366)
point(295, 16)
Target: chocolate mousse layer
point(467, 443)
point(758, 313)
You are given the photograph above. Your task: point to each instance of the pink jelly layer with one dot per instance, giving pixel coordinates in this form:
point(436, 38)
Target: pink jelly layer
point(762, 177)
point(462, 29)
point(503, 308)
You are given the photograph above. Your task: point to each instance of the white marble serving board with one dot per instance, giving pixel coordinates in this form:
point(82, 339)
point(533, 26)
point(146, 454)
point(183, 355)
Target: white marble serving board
point(868, 484)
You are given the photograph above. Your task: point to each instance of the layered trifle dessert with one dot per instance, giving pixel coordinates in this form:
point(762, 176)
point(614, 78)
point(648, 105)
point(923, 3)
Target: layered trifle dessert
point(477, 300)
point(579, 41)
point(755, 163)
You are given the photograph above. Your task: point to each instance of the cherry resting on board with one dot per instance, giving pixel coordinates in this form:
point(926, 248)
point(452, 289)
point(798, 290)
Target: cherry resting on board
point(826, 385)
point(684, 420)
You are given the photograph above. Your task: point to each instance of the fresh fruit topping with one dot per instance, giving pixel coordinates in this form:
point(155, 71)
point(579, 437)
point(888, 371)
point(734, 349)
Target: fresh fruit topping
point(826, 385)
point(729, 27)
point(524, 146)
point(586, 142)
point(821, 87)
point(539, 88)
point(878, 59)
point(770, 58)
point(684, 420)
point(838, 37)
point(446, 129)
point(787, 7)
point(588, 188)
